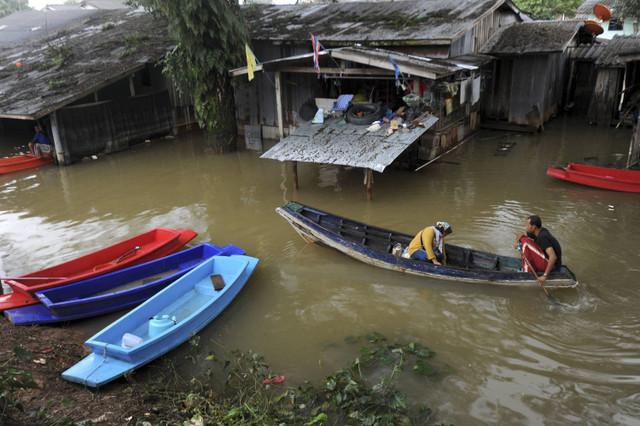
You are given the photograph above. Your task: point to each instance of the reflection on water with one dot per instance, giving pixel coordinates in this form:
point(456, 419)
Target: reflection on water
point(515, 358)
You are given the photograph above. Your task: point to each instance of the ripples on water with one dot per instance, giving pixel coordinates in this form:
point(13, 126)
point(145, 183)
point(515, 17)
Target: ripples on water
point(515, 357)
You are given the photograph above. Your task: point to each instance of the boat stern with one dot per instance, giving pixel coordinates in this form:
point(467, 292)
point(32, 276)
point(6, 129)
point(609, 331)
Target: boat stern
point(96, 370)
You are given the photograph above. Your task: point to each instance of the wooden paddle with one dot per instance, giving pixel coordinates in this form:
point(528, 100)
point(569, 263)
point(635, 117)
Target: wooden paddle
point(115, 262)
point(125, 255)
point(533, 271)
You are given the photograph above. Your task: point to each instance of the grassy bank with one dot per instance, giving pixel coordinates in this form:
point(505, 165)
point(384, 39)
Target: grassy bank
point(234, 388)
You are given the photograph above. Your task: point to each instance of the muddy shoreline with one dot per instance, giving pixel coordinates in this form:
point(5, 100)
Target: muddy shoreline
point(53, 349)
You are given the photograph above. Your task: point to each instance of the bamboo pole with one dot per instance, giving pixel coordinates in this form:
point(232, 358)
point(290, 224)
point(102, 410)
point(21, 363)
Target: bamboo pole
point(294, 172)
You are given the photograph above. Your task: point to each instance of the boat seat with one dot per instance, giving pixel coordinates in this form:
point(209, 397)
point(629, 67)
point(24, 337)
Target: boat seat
point(468, 259)
point(210, 287)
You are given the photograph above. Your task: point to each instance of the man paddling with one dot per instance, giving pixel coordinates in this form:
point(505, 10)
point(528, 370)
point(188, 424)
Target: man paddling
point(539, 247)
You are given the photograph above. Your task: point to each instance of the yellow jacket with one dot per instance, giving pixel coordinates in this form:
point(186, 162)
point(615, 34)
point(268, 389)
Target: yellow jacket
point(427, 239)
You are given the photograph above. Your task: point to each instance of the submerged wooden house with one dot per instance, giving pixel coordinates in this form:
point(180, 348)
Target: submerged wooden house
point(527, 84)
point(89, 77)
point(435, 46)
point(616, 91)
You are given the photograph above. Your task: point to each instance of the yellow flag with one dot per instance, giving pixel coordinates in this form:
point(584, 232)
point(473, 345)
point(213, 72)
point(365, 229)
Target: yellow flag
point(251, 61)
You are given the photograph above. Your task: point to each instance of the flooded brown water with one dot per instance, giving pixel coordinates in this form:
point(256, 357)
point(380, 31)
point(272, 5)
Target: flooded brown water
point(515, 358)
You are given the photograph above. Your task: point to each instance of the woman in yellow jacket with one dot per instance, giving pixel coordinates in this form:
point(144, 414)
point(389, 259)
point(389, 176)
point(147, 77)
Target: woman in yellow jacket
point(428, 245)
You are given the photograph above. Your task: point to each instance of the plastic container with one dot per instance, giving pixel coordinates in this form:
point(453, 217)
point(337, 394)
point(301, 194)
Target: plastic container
point(159, 325)
point(130, 340)
point(397, 250)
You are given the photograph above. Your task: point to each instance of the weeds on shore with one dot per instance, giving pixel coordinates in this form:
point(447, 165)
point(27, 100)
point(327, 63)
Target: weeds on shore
point(12, 380)
point(247, 396)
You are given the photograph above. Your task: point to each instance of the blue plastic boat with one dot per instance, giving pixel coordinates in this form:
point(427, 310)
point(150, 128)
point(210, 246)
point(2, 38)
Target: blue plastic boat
point(164, 321)
point(114, 291)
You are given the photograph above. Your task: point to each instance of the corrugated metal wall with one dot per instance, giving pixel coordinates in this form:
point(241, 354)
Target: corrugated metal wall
point(526, 89)
point(535, 84)
point(604, 102)
point(256, 100)
point(113, 125)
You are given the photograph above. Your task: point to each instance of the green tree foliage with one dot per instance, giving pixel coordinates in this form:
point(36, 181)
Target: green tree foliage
point(7, 7)
point(628, 8)
point(210, 41)
point(548, 9)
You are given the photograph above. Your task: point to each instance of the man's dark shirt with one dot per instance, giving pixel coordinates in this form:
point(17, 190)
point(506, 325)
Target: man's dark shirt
point(546, 240)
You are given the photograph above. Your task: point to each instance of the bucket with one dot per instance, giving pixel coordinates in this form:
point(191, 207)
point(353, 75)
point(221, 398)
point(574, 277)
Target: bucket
point(130, 340)
point(159, 325)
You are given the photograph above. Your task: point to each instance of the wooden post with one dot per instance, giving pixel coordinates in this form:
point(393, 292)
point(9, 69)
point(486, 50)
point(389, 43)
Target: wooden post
point(294, 172)
point(59, 146)
point(369, 181)
point(294, 164)
point(279, 105)
point(572, 71)
point(634, 146)
point(132, 87)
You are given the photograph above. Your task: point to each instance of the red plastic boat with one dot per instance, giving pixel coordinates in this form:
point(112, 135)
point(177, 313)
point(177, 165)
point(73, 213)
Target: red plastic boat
point(21, 162)
point(599, 177)
point(150, 245)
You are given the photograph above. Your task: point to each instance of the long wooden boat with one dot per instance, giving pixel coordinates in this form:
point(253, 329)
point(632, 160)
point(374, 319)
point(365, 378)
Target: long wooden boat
point(142, 248)
point(22, 162)
point(116, 290)
point(599, 177)
point(164, 321)
point(373, 245)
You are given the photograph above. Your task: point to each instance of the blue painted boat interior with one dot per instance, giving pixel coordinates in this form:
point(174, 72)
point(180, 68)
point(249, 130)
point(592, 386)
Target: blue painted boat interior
point(190, 303)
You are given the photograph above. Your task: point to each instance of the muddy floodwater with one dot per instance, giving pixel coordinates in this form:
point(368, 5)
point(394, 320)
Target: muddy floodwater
point(513, 357)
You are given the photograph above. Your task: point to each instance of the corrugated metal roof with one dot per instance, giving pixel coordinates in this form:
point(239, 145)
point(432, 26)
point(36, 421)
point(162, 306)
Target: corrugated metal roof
point(616, 46)
point(426, 21)
point(96, 59)
point(588, 52)
point(630, 55)
point(103, 4)
point(586, 8)
point(475, 60)
point(346, 145)
point(410, 65)
point(532, 37)
point(28, 24)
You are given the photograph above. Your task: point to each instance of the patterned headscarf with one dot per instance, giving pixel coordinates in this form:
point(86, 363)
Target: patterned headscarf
point(444, 227)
